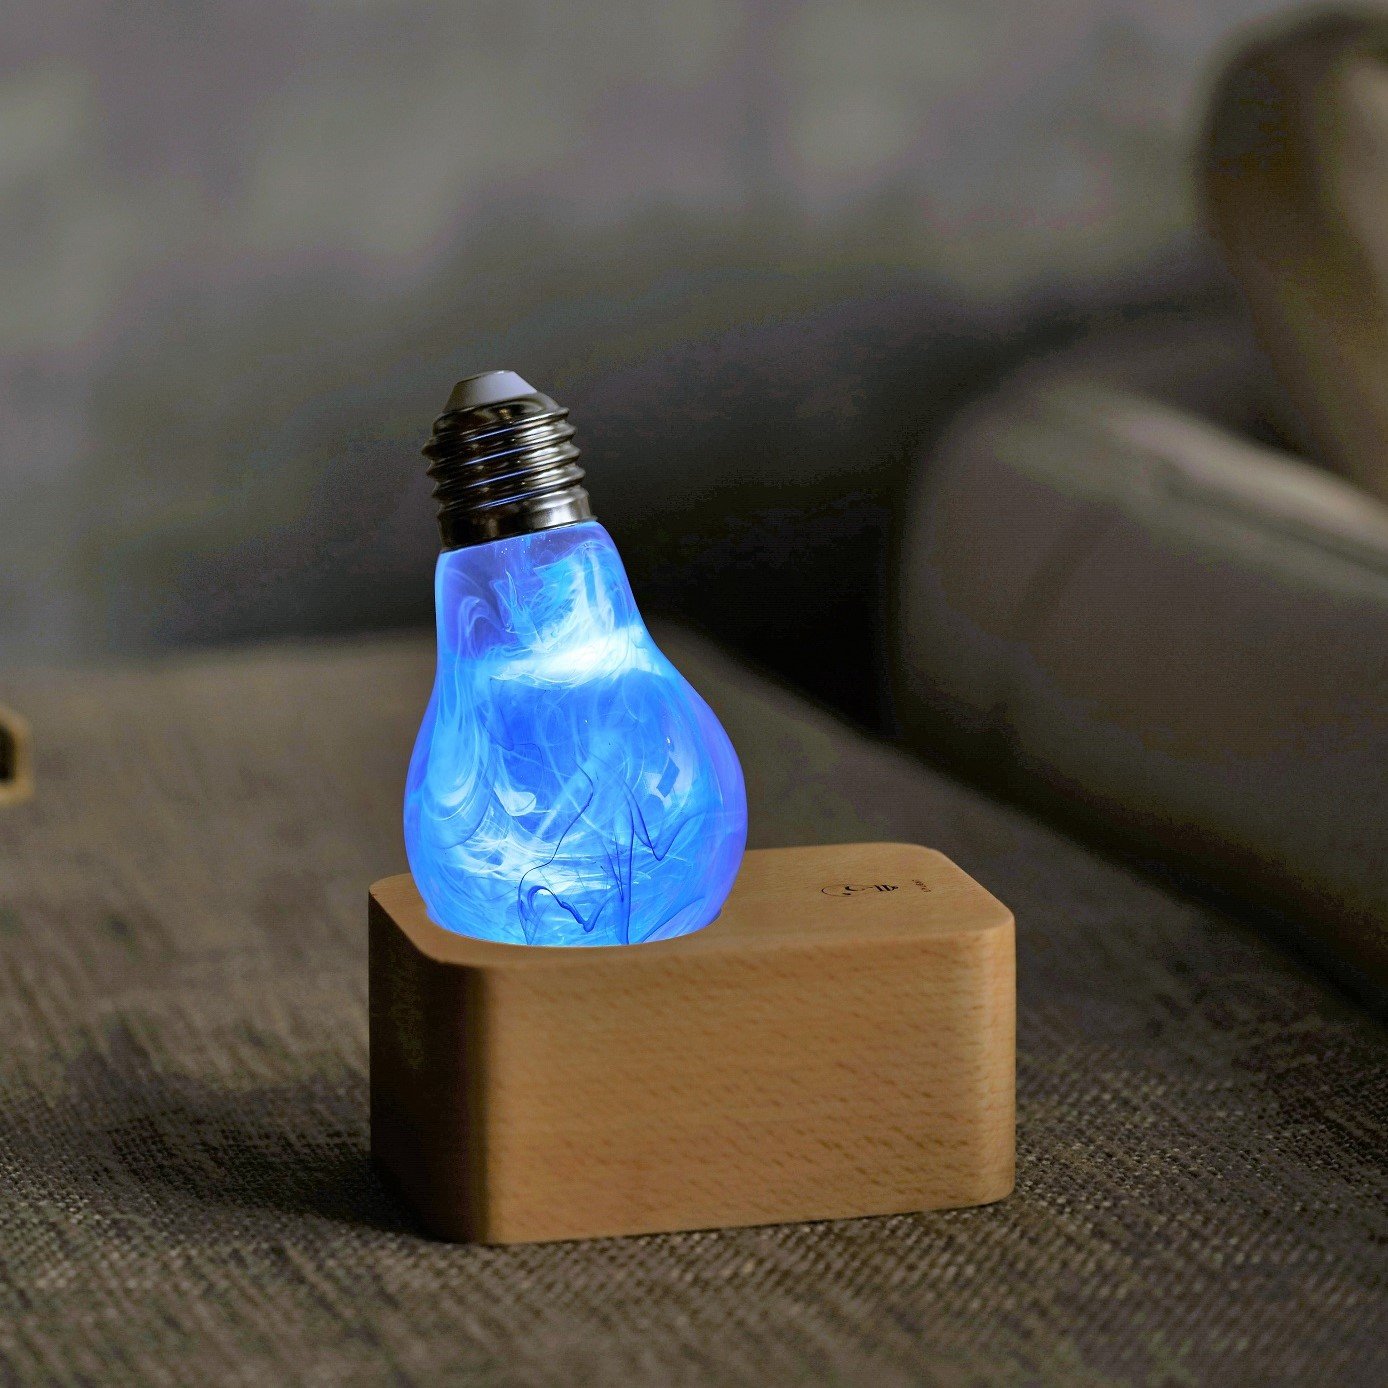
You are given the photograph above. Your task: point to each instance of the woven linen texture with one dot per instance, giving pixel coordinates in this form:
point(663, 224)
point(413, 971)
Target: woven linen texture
point(183, 1098)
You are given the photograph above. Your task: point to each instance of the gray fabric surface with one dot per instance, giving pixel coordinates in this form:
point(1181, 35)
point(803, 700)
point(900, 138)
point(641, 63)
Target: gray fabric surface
point(1176, 633)
point(183, 1106)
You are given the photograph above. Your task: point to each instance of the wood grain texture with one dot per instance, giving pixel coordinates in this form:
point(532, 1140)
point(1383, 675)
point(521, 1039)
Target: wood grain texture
point(839, 1042)
point(16, 768)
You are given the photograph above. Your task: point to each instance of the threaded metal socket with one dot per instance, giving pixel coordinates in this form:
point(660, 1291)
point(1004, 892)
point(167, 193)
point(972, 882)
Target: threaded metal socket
point(504, 462)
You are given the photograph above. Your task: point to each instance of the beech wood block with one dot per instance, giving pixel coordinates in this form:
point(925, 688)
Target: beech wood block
point(839, 1042)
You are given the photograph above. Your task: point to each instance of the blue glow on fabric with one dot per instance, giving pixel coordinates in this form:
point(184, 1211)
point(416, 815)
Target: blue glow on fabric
point(568, 786)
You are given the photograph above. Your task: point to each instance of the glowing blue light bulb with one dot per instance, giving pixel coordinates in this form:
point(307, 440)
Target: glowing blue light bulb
point(568, 786)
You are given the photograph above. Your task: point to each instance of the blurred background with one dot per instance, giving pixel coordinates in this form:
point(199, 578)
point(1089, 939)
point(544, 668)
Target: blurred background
point(1010, 377)
point(763, 250)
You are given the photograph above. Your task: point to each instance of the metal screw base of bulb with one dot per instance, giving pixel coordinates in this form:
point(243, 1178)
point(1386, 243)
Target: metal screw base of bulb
point(504, 462)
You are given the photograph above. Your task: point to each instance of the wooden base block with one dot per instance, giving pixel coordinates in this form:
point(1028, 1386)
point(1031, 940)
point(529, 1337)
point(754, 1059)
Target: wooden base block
point(839, 1042)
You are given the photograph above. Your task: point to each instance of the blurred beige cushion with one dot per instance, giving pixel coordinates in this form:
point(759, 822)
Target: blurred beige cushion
point(1295, 178)
point(1180, 634)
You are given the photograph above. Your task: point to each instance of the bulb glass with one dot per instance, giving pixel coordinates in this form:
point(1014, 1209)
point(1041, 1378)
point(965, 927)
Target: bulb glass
point(568, 785)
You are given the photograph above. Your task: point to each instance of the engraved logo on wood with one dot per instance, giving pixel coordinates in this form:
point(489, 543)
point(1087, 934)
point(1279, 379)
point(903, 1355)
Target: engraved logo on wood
point(853, 888)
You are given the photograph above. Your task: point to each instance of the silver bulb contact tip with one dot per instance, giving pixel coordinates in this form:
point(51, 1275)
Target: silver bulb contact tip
point(487, 388)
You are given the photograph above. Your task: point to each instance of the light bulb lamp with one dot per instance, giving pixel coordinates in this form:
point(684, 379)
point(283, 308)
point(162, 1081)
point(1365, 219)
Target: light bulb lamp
point(568, 786)
point(795, 1033)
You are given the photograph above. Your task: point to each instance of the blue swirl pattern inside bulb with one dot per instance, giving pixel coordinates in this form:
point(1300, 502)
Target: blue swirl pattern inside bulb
point(568, 786)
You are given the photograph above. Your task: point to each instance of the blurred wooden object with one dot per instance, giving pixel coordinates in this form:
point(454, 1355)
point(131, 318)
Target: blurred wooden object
point(839, 1042)
point(16, 775)
point(1295, 180)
